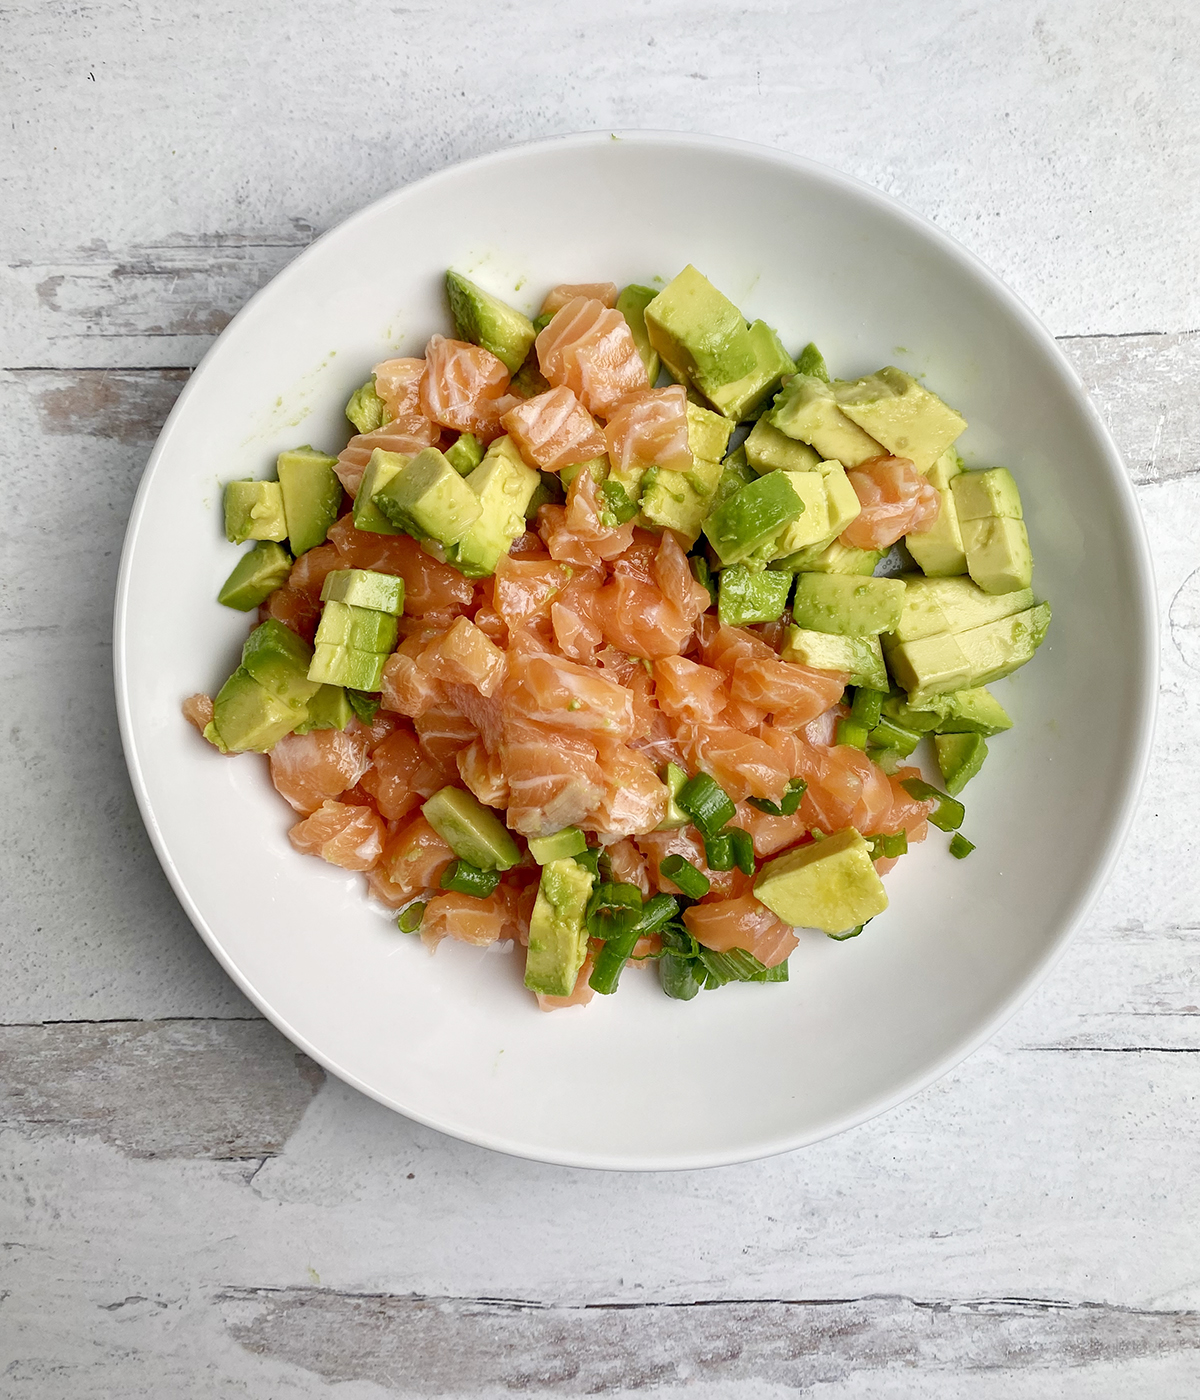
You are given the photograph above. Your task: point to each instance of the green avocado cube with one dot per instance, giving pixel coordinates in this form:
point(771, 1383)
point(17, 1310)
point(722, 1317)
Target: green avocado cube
point(708, 433)
point(558, 928)
point(974, 711)
point(767, 449)
point(998, 555)
point(939, 550)
point(936, 605)
point(806, 410)
point(255, 576)
point(465, 453)
point(344, 624)
point(632, 303)
point(675, 780)
point(380, 469)
point(366, 410)
point(831, 558)
point(844, 505)
point(986, 495)
point(329, 708)
point(312, 496)
point(811, 361)
point(248, 718)
point(504, 487)
point(830, 885)
point(254, 511)
point(812, 527)
point(473, 832)
point(746, 596)
point(861, 658)
point(347, 666)
point(278, 659)
point(959, 758)
point(364, 588)
point(736, 472)
point(561, 845)
point(699, 333)
point(934, 666)
point(528, 382)
point(902, 415)
point(598, 466)
point(742, 398)
point(752, 517)
point(680, 501)
point(485, 320)
point(429, 500)
point(848, 605)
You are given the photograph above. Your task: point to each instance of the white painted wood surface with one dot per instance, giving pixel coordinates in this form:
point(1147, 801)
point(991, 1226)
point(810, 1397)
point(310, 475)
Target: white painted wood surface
point(187, 1207)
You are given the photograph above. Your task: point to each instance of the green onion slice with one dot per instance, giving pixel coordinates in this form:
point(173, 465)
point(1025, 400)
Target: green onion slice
point(949, 813)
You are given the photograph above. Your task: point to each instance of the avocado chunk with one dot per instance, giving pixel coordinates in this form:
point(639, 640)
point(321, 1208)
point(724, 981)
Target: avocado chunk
point(987, 495)
point(746, 596)
point(752, 517)
point(329, 708)
point(429, 500)
point(676, 780)
point(936, 665)
point(767, 449)
point(939, 551)
point(830, 885)
point(736, 471)
point(473, 832)
point(598, 466)
point(248, 718)
point(998, 555)
point(364, 588)
point(708, 433)
point(486, 320)
point(897, 412)
point(346, 625)
point(278, 660)
point(842, 603)
point(312, 495)
point(561, 845)
point(255, 576)
point(558, 928)
point(254, 511)
point(741, 398)
point(812, 527)
point(699, 333)
point(380, 469)
point(959, 758)
point(935, 605)
point(806, 410)
point(974, 711)
point(632, 303)
point(503, 485)
point(366, 410)
point(465, 453)
point(811, 361)
point(680, 501)
point(831, 558)
point(353, 667)
point(861, 658)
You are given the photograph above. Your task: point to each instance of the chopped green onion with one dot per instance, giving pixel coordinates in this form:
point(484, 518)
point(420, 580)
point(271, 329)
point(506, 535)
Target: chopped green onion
point(613, 910)
point(590, 859)
point(619, 945)
point(888, 845)
point(718, 852)
point(364, 705)
point(743, 849)
point(678, 976)
point(700, 570)
point(409, 920)
point(866, 706)
point(960, 847)
point(949, 813)
point(617, 504)
point(778, 973)
point(887, 734)
point(849, 731)
point(694, 883)
point(464, 878)
point(887, 759)
point(788, 806)
point(707, 804)
point(736, 965)
point(850, 933)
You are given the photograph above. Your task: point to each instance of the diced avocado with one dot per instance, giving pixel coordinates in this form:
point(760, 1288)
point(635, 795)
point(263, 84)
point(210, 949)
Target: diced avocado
point(939, 551)
point(832, 558)
point(811, 528)
point(562, 845)
point(598, 466)
point(474, 832)
point(676, 780)
point(542, 320)
point(247, 717)
point(254, 511)
point(959, 758)
point(210, 733)
point(830, 885)
point(861, 658)
point(354, 667)
point(632, 304)
point(381, 468)
point(558, 929)
point(747, 596)
point(974, 711)
point(741, 398)
point(429, 500)
point(699, 333)
point(679, 501)
point(278, 659)
point(465, 453)
point(752, 517)
point(367, 629)
point(364, 588)
point(811, 361)
point(708, 433)
point(312, 495)
point(548, 492)
point(806, 410)
point(935, 605)
point(937, 665)
point(844, 505)
point(366, 410)
point(486, 320)
point(902, 415)
point(736, 471)
point(845, 604)
point(529, 381)
point(329, 708)
point(767, 449)
point(983, 495)
point(255, 576)
point(897, 708)
point(998, 555)
point(503, 486)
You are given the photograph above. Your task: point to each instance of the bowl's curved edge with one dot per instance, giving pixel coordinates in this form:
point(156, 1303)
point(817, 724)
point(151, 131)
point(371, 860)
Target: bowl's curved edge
point(1136, 765)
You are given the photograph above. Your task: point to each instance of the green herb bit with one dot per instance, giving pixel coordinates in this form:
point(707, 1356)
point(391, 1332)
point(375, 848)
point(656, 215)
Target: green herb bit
point(889, 845)
point(613, 910)
point(788, 806)
point(707, 804)
point(849, 731)
point(778, 973)
point(462, 877)
point(678, 976)
point(718, 852)
point(409, 920)
point(743, 849)
point(617, 504)
point(866, 707)
point(590, 859)
point(694, 883)
point(701, 572)
point(736, 965)
point(850, 933)
point(619, 945)
point(364, 706)
point(960, 847)
point(949, 813)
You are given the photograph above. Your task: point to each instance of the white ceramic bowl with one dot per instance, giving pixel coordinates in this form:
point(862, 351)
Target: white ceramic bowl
point(637, 1080)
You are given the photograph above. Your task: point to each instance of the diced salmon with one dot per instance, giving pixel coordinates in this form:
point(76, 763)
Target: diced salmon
point(794, 694)
point(771, 834)
point(649, 428)
point(307, 769)
point(653, 619)
point(301, 612)
point(744, 765)
point(398, 384)
point(635, 797)
point(409, 687)
point(581, 994)
point(589, 348)
point(525, 588)
point(553, 777)
point(429, 585)
point(413, 860)
point(400, 776)
point(683, 841)
point(198, 710)
point(687, 690)
point(465, 656)
point(561, 694)
point(896, 500)
point(483, 774)
point(575, 533)
point(557, 297)
point(405, 439)
point(470, 920)
point(351, 837)
point(465, 387)
point(629, 865)
point(554, 430)
point(444, 731)
point(741, 923)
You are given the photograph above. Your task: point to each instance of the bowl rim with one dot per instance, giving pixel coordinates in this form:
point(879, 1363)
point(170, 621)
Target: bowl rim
point(1139, 741)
